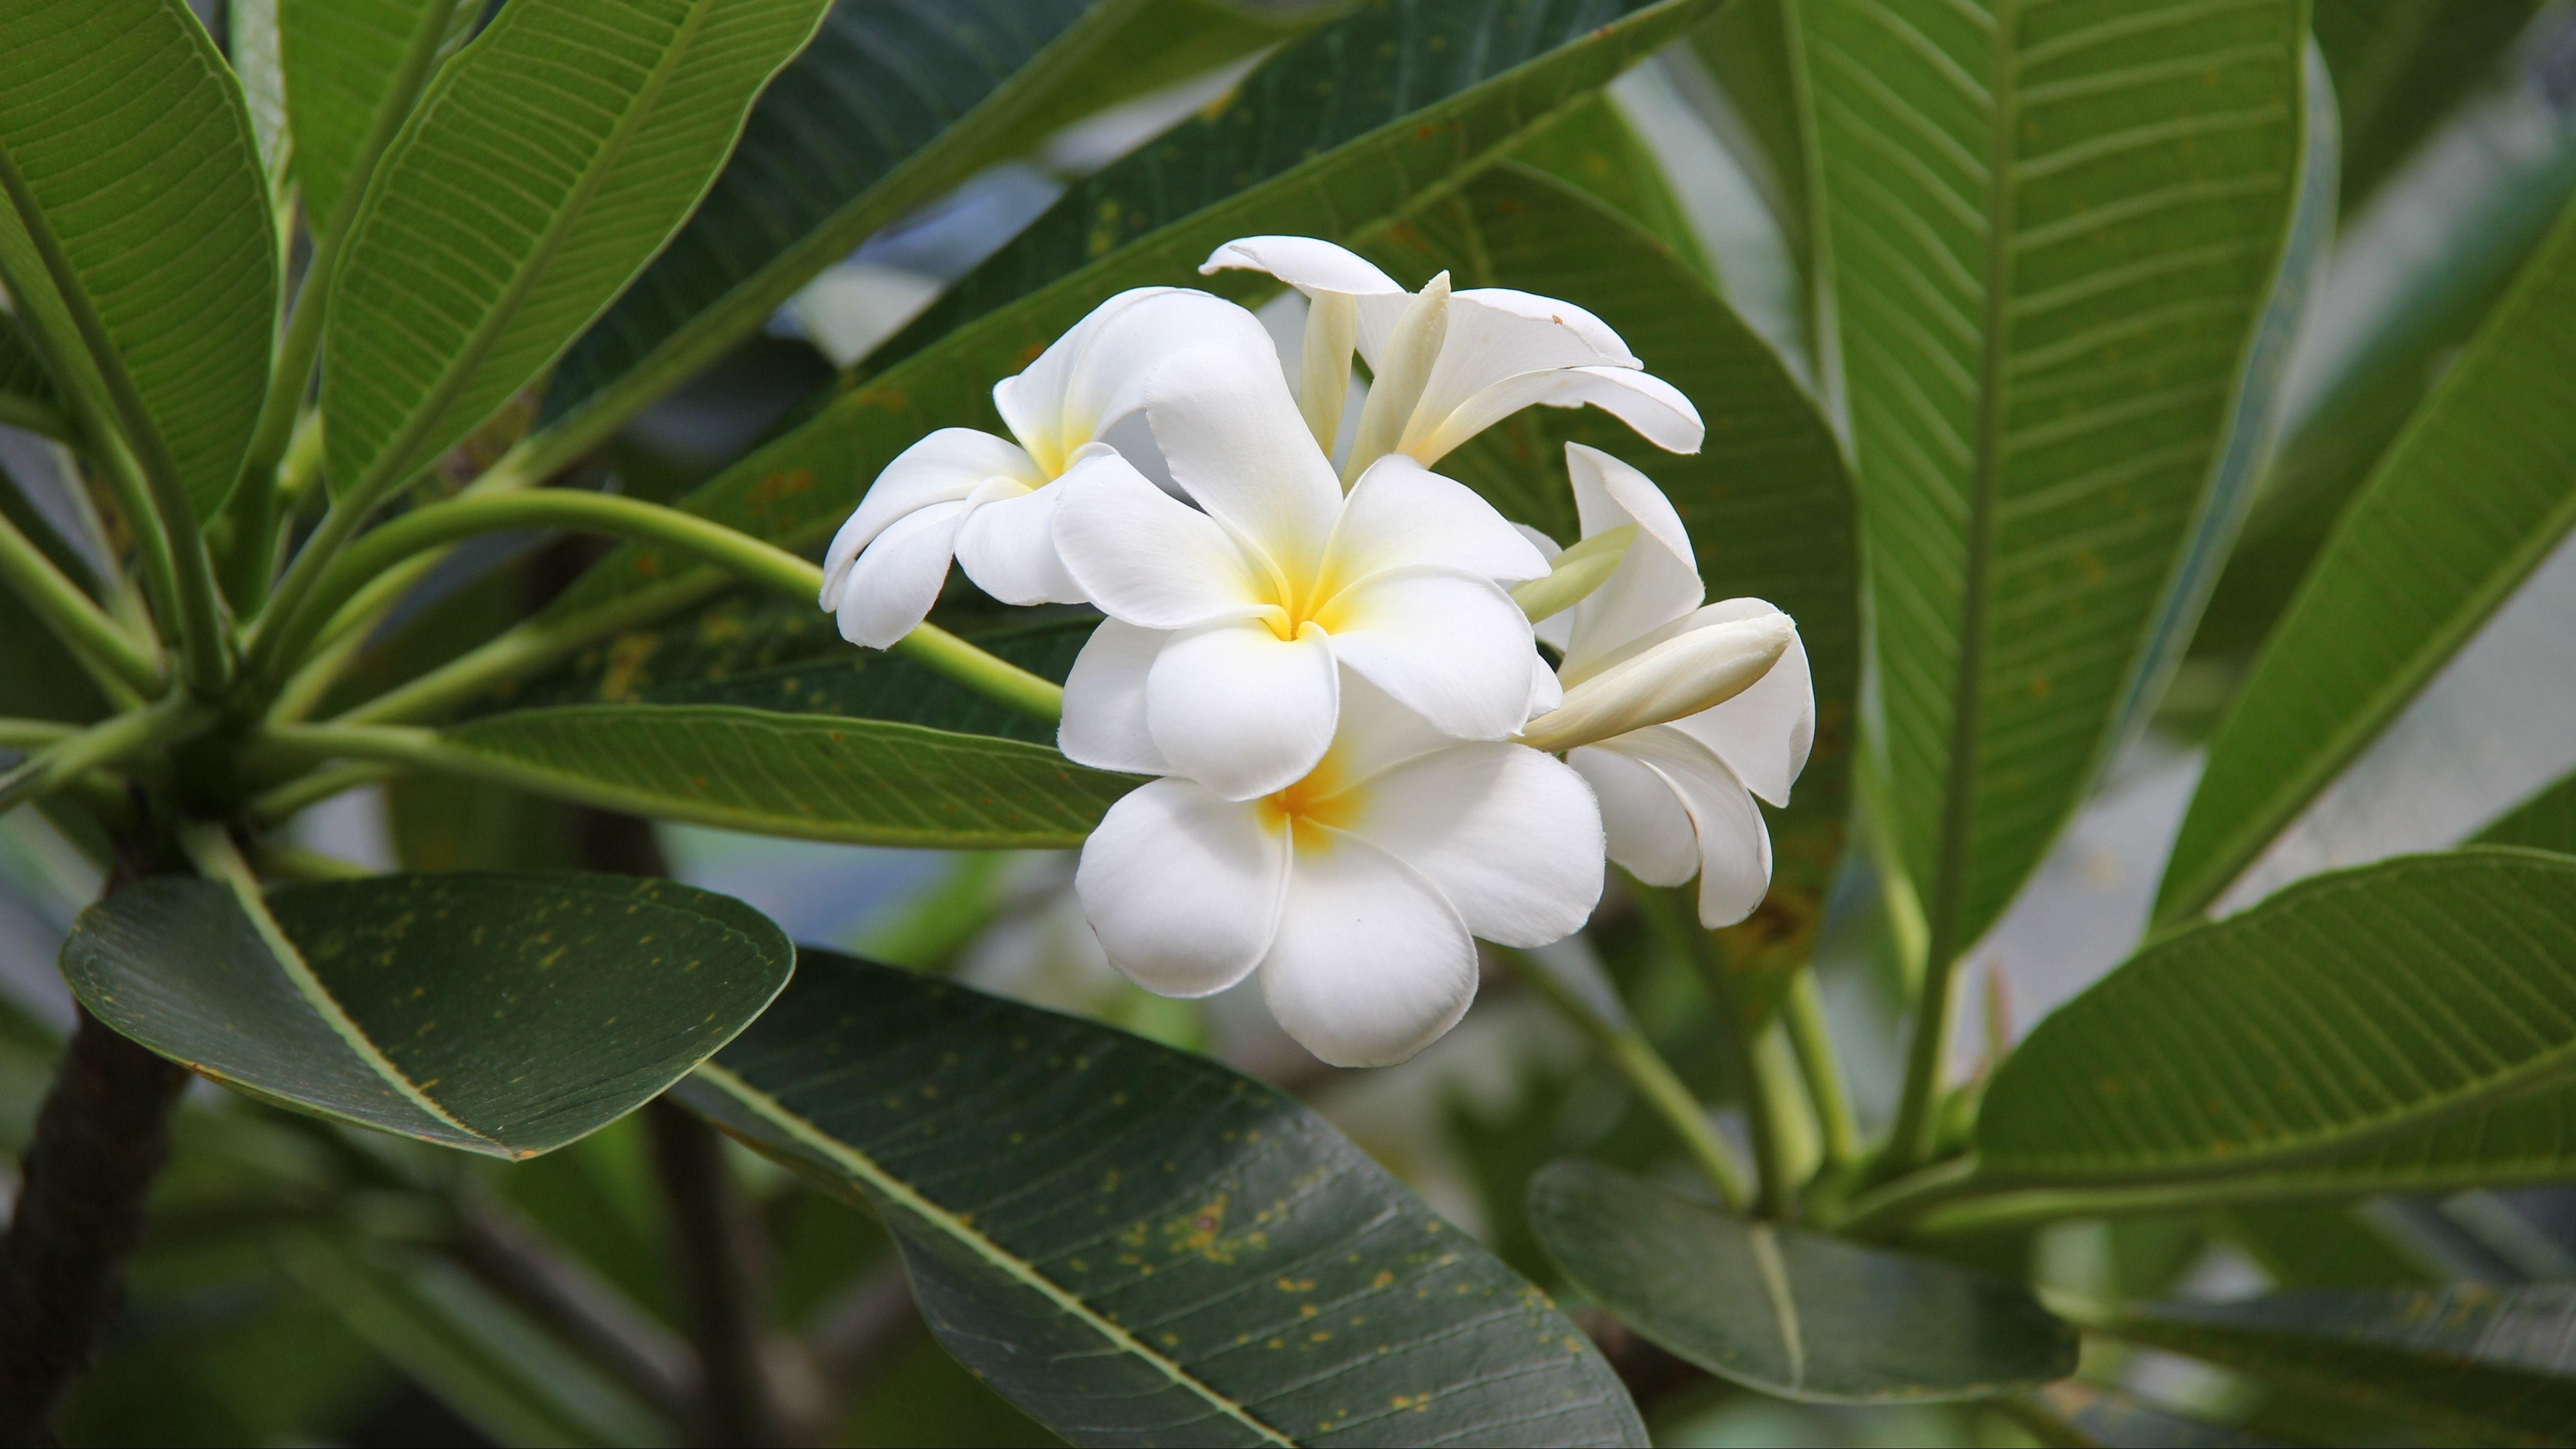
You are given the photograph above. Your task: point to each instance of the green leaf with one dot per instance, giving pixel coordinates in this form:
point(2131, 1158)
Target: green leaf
point(1747, 51)
point(1790, 1312)
point(2409, 575)
point(868, 782)
point(256, 50)
point(128, 156)
point(1591, 148)
point(1335, 136)
point(27, 396)
point(1766, 499)
point(2476, 1364)
point(546, 163)
point(2103, 1418)
point(2049, 236)
point(891, 105)
point(2400, 66)
point(1138, 1246)
point(39, 678)
point(2546, 821)
point(501, 1014)
point(339, 59)
point(2349, 1009)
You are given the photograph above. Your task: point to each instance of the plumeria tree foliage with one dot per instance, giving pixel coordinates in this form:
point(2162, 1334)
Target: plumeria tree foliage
point(1655, 512)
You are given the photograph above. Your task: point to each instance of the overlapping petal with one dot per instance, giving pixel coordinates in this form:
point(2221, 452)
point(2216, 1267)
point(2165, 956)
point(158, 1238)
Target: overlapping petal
point(1241, 710)
point(1511, 836)
point(1643, 823)
point(888, 589)
point(1657, 580)
point(1371, 963)
point(1104, 701)
point(1764, 733)
point(1231, 433)
point(1007, 545)
point(944, 467)
point(1146, 557)
point(1447, 644)
point(1183, 889)
point(1402, 515)
point(1734, 845)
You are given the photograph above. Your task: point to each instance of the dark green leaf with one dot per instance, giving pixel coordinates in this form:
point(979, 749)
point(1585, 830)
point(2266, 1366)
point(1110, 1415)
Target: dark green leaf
point(1591, 148)
point(2546, 821)
point(1787, 1311)
point(2478, 1364)
point(126, 146)
point(2408, 577)
point(501, 1014)
point(1335, 136)
point(546, 163)
point(39, 677)
point(891, 105)
point(1140, 1247)
point(2049, 236)
point(2399, 67)
point(2100, 1418)
point(2321, 1245)
point(868, 782)
point(2345, 1011)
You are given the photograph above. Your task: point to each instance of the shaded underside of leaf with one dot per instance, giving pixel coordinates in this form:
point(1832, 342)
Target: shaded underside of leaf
point(1138, 1246)
point(505, 1014)
point(1787, 1311)
point(2347, 1010)
point(2400, 65)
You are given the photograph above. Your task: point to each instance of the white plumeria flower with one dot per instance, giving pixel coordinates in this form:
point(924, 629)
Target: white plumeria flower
point(985, 500)
point(1355, 891)
point(1228, 628)
point(1448, 366)
point(1677, 797)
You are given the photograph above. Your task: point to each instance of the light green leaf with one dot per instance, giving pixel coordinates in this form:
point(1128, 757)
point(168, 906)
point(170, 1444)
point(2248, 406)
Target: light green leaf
point(817, 777)
point(2470, 1362)
point(340, 58)
point(546, 163)
point(2399, 67)
point(2049, 234)
point(891, 105)
point(2408, 576)
point(1138, 1246)
point(1790, 1312)
point(128, 158)
point(1591, 148)
point(500, 1014)
point(2348, 1010)
point(1335, 136)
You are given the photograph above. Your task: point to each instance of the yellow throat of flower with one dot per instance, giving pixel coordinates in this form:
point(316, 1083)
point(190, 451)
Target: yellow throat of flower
point(1314, 807)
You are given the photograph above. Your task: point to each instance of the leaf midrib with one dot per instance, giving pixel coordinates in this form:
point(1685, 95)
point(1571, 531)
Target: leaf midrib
point(866, 1169)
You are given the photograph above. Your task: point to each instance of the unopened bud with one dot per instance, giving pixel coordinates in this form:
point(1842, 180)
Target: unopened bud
point(1406, 366)
point(1576, 573)
point(1673, 680)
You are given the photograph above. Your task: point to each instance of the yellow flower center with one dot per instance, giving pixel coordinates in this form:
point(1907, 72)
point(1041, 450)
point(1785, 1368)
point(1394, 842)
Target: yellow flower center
point(1314, 807)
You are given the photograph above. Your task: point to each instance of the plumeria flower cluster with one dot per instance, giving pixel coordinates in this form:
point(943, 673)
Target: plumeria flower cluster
point(1329, 656)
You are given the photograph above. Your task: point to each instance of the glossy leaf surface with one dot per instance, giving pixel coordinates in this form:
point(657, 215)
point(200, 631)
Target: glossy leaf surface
point(151, 193)
point(1138, 1246)
point(868, 782)
point(500, 1014)
point(2407, 578)
point(2048, 233)
point(544, 166)
point(1790, 1312)
point(2350, 1009)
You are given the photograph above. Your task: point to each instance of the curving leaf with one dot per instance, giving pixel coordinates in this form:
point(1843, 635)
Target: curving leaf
point(1790, 1312)
point(1766, 499)
point(546, 163)
point(891, 105)
point(2408, 576)
point(2470, 1362)
point(868, 782)
point(2049, 234)
point(505, 1014)
point(127, 157)
point(2348, 1010)
point(1334, 136)
point(2399, 67)
point(1138, 1246)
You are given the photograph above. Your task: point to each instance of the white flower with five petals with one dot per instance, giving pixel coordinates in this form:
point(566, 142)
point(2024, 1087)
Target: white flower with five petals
point(987, 501)
point(1356, 890)
point(1677, 797)
point(1230, 623)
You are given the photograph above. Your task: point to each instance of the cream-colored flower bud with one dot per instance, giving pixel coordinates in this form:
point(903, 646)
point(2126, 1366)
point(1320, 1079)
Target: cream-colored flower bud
point(1674, 679)
point(1575, 574)
point(1407, 360)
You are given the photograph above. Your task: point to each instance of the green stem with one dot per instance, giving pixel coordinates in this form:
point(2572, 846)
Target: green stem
point(1918, 1112)
point(105, 743)
point(33, 734)
point(83, 627)
point(1803, 1011)
point(36, 417)
point(1770, 1078)
point(281, 804)
point(1649, 1075)
point(1885, 1211)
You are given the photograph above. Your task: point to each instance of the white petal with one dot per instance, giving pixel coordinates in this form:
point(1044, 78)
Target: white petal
point(946, 466)
point(1145, 556)
point(889, 589)
point(1657, 580)
point(1007, 545)
point(1104, 701)
point(1547, 692)
point(1304, 263)
point(1092, 376)
point(1734, 846)
point(1370, 964)
point(1510, 836)
point(1230, 429)
point(1452, 647)
point(1241, 710)
point(1764, 733)
point(1376, 733)
point(1652, 406)
point(1403, 515)
point(1648, 831)
point(1182, 888)
point(1495, 334)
